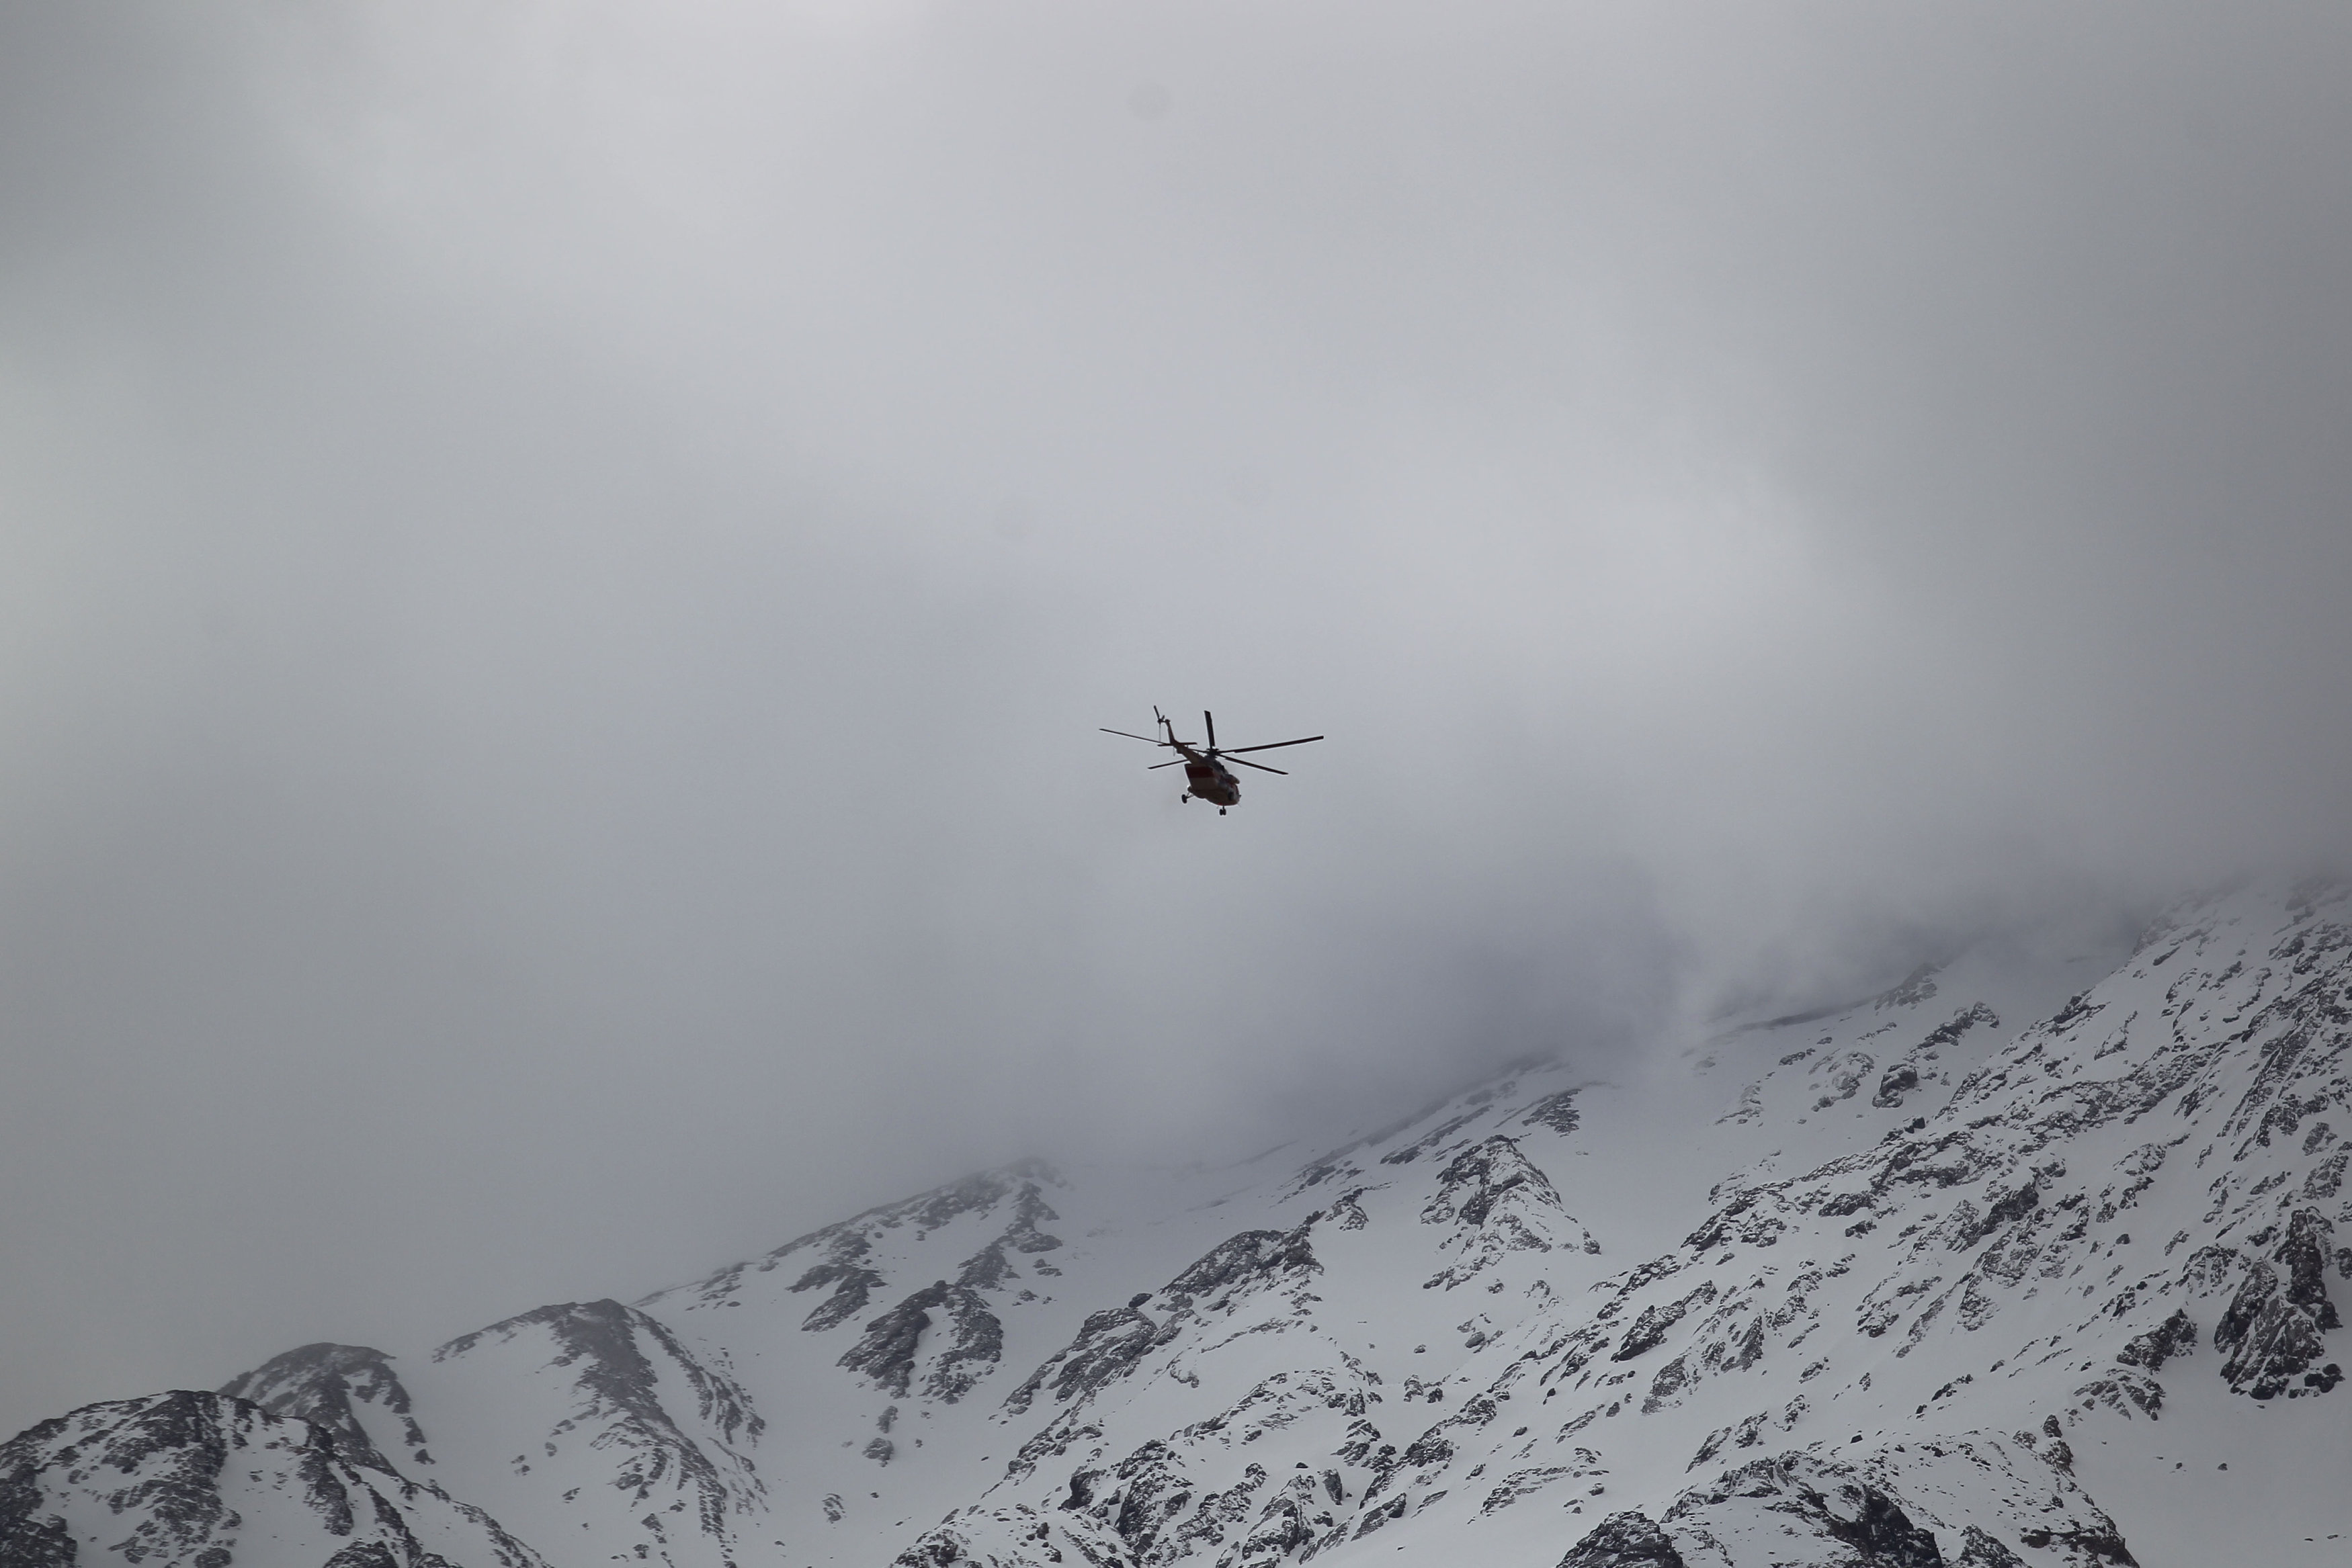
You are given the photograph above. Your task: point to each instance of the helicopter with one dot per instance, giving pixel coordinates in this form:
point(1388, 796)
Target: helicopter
point(1206, 774)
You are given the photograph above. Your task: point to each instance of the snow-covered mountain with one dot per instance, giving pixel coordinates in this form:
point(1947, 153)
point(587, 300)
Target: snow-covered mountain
point(2018, 1263)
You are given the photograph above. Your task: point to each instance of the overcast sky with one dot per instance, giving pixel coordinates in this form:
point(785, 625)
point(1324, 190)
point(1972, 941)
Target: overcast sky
point(560, 566)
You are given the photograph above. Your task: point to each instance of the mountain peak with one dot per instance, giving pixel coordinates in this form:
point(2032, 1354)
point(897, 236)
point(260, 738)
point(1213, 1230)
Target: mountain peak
point(1995, 1266)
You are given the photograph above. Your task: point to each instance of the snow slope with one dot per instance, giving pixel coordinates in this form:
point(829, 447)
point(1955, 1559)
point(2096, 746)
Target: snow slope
point(2021, 1261)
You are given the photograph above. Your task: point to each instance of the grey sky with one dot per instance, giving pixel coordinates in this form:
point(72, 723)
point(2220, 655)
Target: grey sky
point(559, 567)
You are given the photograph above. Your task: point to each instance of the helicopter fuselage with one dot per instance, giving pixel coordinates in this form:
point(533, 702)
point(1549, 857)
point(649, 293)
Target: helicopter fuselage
point(1210, 782)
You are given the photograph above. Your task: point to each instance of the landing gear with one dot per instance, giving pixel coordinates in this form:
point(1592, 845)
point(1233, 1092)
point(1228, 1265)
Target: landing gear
point(1221, 810)
point(1183, 798)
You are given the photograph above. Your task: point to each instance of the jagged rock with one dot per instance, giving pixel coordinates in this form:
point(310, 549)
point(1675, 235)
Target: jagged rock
point(1014, 1537)
point(2273, 1332)
point(1979, 1549)
point(2122, 1392)
point(853, 1287)
point(673, 1429)
point(207, 1479)
point(1109, 1343)
point(1649, 1329)
point(1627, 1540)
point(1851, 1523)
point(1557, 1111)
point(2175, 1335)
point(1498, 1201)
point(1249, 1259)
point(1967, 1018)
point(30, 1536)
point(893, 1343)
point(319, 1383)
point(1112, 1341)
point(1899, 1081)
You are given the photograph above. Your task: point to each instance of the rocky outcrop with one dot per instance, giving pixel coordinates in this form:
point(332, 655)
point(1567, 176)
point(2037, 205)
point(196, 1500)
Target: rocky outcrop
point(619, 1365)
point(329, 1385)
point(2273, 1334)
point(207, 1479)
point(1113, 1342)
point(840, 1255)
point(1627, 1540)
point(898, 1340)
point(1891, 1510)
point(1496, 1201)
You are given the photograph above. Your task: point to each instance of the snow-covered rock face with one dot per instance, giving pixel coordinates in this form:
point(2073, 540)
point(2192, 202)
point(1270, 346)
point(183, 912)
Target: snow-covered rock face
point(2011, 1264)
point(342, 1388)
point(210, 1480)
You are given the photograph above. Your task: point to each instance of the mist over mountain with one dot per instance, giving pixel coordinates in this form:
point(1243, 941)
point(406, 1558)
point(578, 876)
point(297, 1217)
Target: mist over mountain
point(1894, 1282)
point(559, 567)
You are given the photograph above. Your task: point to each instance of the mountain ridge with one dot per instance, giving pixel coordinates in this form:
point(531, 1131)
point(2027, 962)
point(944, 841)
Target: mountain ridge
point(1874, 1283)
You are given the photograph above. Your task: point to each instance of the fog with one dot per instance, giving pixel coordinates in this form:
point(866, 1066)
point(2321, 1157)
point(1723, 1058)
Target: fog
point(560, 566)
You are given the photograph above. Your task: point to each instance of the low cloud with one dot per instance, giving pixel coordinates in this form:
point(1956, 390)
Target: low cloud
point(561, 569)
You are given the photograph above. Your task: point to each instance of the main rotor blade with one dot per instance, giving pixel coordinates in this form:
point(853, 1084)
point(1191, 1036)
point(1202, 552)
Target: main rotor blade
point(1145, 738)
point(1172, 762)
point(1260, 767)
point(1213, 728)
point(1272, 746)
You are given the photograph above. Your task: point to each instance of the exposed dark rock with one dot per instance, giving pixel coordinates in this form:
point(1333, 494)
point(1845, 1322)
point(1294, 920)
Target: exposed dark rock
point(1282, 1529)
point(846, 1244)
point(162, 1469)
point(986, 1270)
point(938, 1549)
point(608, 1345)
point(853, 1286)
point(2270, 1334)
point(602, 1338)
point(2009, 1205)
point(976, 1193)
point(1831, 1501)
point(1649, 1329)
point(1671, 1380)
point(1557, 1111)
point(887, 1350)
point(2098, 1545)
point(1899, 1081)
point(1979, 1549)
point(1742, 1220)
point(1373, 1519)
point(1500, 1202)
point(1430, 1141)
point(1022, 1234)
point(1883, 1532)
point(1627, 1540)
point(1250, 1258)
point(2173, 1337)
point(371, 1555)
point(1967, 1018)
point(1108, 1346)
point(2303, 1255)
point(318, 1384)
point(30, 1536)
point(1479, 1178)
point(2123, 1393)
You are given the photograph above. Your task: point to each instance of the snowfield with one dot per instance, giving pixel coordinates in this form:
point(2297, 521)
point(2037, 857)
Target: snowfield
point(2018, 1263)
